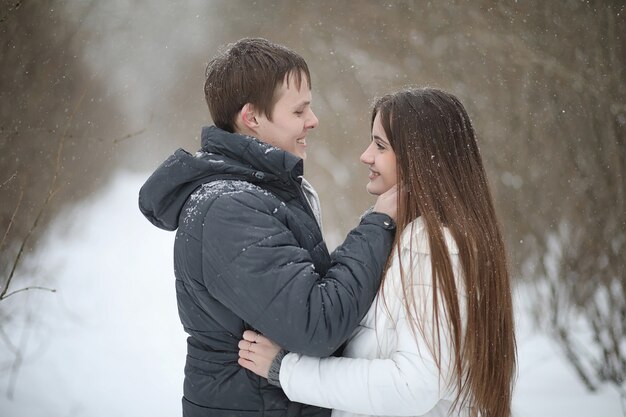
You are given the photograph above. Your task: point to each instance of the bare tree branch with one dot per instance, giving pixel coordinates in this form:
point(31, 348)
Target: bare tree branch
point(17, 363)
point(23, 245)
point(9, 180)
point(16, 5)
point(19, 201)
point(52, 190)
point(26, 289)
point(130, 135)
point(137, 133)
point(7, 341)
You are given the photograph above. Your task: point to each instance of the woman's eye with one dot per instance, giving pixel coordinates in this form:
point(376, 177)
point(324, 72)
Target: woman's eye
point(380, 147)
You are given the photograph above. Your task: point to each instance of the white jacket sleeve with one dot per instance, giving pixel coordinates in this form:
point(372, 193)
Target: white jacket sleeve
point(407, 384)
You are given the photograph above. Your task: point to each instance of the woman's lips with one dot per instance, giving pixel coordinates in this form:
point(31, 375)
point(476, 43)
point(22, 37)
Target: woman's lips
point(373, 174)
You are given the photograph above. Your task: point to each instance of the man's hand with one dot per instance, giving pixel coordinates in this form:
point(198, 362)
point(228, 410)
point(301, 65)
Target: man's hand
point(256, 353)
point(387, 202)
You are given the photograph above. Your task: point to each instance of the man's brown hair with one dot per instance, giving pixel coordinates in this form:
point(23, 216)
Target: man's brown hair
point(249, 71)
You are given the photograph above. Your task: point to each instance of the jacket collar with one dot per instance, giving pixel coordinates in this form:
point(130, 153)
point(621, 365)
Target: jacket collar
point(252, 152)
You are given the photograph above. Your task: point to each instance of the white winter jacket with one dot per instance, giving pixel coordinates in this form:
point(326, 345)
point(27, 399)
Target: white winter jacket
point(386, 369)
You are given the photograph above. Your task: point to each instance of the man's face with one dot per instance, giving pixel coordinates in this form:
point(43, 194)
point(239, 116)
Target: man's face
point(292, 118)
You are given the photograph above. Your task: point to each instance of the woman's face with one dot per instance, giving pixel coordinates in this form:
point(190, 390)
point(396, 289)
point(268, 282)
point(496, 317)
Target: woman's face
point(381, 160)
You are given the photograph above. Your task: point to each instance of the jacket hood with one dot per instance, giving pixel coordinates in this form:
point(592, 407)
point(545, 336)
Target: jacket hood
point(223, 155)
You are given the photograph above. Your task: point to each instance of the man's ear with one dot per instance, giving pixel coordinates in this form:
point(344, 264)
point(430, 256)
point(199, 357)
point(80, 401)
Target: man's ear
point(247, 116)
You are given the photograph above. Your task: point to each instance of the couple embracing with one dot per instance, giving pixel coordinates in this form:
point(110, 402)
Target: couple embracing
point(410, 316)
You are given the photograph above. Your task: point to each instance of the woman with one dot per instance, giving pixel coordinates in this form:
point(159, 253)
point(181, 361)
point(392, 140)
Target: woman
point(439, 338)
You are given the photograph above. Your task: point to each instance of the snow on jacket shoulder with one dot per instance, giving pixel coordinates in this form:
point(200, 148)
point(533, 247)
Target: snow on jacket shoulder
point(386, 370)
point(249, 253)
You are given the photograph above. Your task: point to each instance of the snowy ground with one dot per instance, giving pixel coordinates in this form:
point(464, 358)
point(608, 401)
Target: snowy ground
point(109, 342)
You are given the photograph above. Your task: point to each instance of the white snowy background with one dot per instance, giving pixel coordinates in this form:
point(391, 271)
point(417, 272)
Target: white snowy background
point(109, 342)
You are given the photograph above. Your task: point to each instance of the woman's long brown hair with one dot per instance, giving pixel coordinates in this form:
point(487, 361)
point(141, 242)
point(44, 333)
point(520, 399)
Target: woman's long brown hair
point(442, 179)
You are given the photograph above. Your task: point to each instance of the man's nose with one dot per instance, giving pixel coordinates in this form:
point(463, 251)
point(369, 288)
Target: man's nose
point(313, 121)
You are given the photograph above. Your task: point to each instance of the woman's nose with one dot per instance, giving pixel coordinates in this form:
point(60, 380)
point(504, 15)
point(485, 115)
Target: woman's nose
point(366, 157)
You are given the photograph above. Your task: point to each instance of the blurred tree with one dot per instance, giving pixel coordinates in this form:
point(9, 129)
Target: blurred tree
point(53, 150)
point(575, 239)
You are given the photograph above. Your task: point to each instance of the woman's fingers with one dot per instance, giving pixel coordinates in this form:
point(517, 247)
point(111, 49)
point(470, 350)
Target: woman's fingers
point(250, 335)
point(257, 338)
point(246, 345)
point(262, 340)
point(256, 353)
point(246, 354)
point(249, 365)
point(250, 361)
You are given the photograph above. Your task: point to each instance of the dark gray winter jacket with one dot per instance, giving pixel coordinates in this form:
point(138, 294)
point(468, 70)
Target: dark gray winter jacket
point(249, 254)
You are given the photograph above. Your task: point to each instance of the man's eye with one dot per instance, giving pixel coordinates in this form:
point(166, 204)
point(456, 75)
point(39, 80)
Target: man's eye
point(299, 112)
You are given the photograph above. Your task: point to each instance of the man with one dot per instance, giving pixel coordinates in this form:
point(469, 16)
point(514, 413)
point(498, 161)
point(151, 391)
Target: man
point(249, 252)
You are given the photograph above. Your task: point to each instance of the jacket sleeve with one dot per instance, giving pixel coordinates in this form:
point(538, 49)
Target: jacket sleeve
point(404, 383)
point(254, 266)
point(401, 386)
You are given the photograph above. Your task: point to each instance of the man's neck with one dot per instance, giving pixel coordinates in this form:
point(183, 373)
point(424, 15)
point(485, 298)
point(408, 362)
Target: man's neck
point(247, 132)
